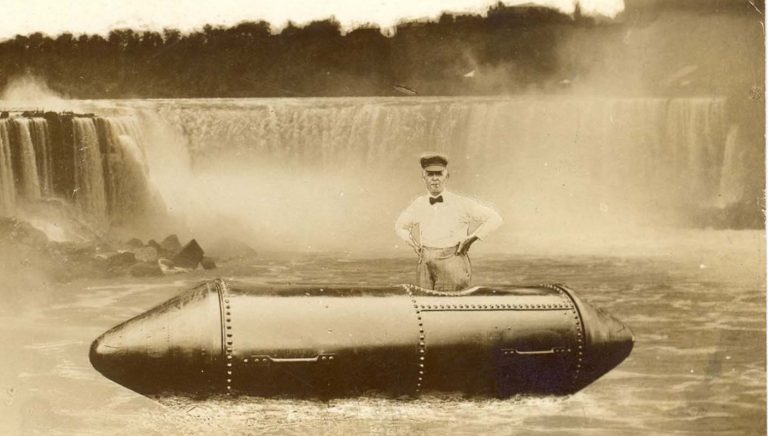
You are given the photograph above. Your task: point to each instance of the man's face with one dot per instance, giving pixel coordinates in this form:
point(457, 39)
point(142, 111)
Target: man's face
point(435, 180)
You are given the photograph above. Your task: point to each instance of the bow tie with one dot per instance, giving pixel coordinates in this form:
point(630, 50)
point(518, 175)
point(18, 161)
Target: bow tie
point(433, 200)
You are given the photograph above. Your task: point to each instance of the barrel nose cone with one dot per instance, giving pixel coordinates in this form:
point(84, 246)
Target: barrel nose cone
point(165, 347)
point(115, 359)
point(606, 330)
point(608, 342)
point(610, 336)
point(108, 350)
point(99, 354)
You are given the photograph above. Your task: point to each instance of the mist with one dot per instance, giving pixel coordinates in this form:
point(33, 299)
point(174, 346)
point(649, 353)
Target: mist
point(30, 92)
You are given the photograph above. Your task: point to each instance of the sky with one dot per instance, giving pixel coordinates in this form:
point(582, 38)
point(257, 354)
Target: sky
point(54, 17)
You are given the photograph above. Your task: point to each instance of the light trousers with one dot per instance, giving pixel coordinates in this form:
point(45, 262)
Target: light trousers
point(441, 269)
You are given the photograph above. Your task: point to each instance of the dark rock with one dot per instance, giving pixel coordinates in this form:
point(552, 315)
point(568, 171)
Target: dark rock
point(146, 269)
point(208, 263)
point(189, 256)
point(134, 243)
point(121, 260)
point(170, 245)
point(146, 254)
point(154, 244)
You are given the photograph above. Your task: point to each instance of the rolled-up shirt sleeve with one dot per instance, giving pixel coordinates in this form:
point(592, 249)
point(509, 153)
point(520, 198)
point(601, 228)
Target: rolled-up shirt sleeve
point(488, 218)
point(405, 223)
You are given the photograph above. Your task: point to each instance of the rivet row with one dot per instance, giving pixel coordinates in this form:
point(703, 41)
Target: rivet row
point(422, 346)
point(579, 336)
point(471, 307)
point(229, 347)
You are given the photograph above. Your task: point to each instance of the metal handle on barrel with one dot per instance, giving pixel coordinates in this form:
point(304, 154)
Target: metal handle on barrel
point(270, 359)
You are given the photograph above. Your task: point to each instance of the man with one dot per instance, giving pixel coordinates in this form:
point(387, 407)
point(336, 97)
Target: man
point(437, 227)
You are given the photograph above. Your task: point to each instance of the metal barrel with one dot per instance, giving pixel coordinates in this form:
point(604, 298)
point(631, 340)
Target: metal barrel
point(313, 341)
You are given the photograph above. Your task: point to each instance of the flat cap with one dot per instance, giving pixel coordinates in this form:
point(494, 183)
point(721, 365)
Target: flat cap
point(434, 161)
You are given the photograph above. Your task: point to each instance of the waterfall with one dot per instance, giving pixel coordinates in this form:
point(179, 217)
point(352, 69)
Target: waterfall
point(96, 164)
point(7, 185)
point(685, 134)
point(90, 193)
point(268, 167)
point(647, 152)
point(128, 190)
point(25, 168)
point(732, 176)
point(43, 154)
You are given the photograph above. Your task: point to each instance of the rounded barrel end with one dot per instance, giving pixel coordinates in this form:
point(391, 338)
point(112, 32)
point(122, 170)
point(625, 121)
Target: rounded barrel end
point(95, 354)
point(607, 342)
point(165, 348)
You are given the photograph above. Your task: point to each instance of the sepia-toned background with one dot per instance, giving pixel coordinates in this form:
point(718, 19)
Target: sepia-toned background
point(623, 144)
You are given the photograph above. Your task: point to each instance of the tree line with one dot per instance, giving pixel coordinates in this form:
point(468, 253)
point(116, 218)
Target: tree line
point(676, 47)
point(515, 47)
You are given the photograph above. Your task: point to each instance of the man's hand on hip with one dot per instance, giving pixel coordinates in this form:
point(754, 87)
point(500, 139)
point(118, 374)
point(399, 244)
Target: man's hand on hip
point(418, 250)
point(464, 245)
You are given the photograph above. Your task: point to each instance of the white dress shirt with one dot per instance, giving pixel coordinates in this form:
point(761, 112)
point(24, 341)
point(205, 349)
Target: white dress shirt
point(446, 223)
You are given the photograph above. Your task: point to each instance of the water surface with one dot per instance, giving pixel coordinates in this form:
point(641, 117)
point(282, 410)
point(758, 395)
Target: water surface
point(698, 366)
